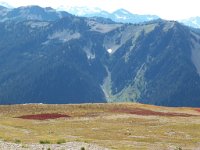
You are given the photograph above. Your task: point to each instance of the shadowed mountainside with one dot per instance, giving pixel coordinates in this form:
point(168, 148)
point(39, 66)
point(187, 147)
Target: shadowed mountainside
point(78, 60)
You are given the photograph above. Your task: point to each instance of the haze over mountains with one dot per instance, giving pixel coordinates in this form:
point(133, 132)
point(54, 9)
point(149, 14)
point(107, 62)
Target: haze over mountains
point(192, 22)
point(54, 57)
point(124, 16)
point(120, 15)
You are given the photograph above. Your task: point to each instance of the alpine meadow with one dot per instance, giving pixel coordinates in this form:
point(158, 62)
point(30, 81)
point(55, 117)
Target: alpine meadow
point(83, 78)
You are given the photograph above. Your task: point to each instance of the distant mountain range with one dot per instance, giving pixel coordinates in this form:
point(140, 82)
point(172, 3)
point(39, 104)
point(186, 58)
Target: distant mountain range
point(48, 56)
point(120, 15)
point(124, 16)
point(192, 22)
point(4, 4)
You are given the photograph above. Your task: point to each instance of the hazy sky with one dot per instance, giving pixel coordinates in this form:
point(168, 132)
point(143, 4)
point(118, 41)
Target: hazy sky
point(166, 9)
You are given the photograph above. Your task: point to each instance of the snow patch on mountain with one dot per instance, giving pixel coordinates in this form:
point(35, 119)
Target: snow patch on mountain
point(109, 50)
point(120, 17)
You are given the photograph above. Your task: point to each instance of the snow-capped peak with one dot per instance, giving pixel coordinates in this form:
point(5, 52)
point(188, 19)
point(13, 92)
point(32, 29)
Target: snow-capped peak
point(121, 12)
point(192, 22)
point(4, 4)
point(80, 11)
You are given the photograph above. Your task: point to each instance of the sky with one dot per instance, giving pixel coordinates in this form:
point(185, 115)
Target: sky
point(166, 9)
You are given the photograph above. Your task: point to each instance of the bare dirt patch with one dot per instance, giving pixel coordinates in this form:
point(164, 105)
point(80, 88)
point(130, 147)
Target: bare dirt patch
point(145, 112)
point(43, 116)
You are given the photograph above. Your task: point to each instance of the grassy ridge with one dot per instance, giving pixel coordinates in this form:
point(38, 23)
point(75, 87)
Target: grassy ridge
point(99, 123)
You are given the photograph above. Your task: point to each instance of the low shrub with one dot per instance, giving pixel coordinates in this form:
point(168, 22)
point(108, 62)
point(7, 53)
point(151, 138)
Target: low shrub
point(17, 141)
point(82, 148)
point(61, 141)
point(44, 142)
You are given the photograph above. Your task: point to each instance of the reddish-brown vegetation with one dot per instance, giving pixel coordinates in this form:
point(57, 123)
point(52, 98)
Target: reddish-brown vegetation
point(43, 116)
point(145, 112)
point(197, 109)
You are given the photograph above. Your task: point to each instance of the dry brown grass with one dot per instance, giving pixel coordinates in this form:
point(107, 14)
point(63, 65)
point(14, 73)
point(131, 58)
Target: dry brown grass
point(98, 123)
